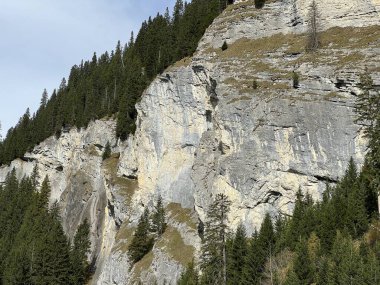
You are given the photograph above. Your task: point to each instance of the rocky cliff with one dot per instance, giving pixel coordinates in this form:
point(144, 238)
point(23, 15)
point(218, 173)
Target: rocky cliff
point(204, 128)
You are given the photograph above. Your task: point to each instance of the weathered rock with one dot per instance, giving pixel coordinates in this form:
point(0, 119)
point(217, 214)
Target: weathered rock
point(203, 129)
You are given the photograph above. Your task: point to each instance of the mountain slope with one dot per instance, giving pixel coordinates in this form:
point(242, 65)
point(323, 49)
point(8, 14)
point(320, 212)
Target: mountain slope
point(203, 129)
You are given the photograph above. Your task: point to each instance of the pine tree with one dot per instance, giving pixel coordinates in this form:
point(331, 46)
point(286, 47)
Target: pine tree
point(259, 4)
point(79, 251)
point(141, 243)
point(237, 256)
point(302, 264)
point(224, 46)
point(44, 99)
point(107, 151)
point(313, 41)
point(159, 218)
point(189, 276)
point(213, 259)
point(295, 80)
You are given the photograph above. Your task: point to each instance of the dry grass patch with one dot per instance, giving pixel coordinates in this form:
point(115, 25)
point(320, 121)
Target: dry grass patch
point(124, 238)
point(351, 37)
point(126, 187)
point(185, 62)
point(181, 215)
point(172, 243)
point(239, 98)
point(143, 265)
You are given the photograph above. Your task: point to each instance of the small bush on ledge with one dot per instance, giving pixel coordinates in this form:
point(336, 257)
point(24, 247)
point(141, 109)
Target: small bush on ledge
point(224, 46)
point(259, 4)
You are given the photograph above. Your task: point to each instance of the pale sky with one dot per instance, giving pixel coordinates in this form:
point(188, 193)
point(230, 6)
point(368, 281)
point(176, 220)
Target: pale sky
point(40, 40)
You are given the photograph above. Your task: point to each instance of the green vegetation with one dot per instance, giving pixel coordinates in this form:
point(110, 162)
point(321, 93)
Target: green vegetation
point(33, 246)
point(112, 83)
point(332, 241)
point(213, 259)
point(224, 46)
point(125, 186)
point(149, 229)
point(259, 4)
point(296, 80)
point(107, 151)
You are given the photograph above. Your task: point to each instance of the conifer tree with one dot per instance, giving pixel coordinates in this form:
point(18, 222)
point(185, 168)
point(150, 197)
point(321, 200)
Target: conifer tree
point(313, 41)
point(259, 4)
point(141, 243)
point(189, 276)
point(159, 218)
point(213, 259)
point(107, 151)
point(237, 256)
point(80, 249)
point(303, 265)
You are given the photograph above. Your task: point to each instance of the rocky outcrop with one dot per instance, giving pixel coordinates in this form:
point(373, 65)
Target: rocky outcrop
point(222, 122)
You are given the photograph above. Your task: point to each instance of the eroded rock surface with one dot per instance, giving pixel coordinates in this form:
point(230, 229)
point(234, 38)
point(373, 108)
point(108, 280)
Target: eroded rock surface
point(204, 128)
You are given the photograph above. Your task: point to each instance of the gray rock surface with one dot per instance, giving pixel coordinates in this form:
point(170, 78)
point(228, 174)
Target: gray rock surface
point(203, 129)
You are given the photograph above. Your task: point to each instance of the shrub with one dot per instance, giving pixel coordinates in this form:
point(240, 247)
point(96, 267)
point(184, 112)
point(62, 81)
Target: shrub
point(224, 46)
point(107, 151)
point(259, 4)
point(255, 85)
point(295, 80)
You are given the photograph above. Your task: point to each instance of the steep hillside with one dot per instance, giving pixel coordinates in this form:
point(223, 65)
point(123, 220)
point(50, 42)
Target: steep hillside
point(203, 128)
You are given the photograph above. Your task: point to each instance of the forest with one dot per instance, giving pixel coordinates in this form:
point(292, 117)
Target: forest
point(110, 84)
point(33, 246)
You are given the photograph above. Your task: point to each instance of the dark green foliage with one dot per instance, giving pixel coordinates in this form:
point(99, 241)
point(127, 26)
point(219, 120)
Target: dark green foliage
point(33, 246)
point(107, 151)
point(295, 80)
point(213, 259)
point(189, 276)
point(81, 248)
point(259, 4)
point(302, 264)
point(255, 85)
point(159, 218)
point(142, 242)
point(224, 46)
point(112, 83)
point(237, 256)
point(261, 248)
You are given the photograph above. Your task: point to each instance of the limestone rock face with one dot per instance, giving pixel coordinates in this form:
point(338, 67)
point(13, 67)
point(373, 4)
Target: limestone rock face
point(223, 122)
point(73, 165)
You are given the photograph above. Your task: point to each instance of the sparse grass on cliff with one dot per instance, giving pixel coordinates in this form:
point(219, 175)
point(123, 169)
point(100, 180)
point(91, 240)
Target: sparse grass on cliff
point(172, 243)
point(126, 187)
point(181, 215)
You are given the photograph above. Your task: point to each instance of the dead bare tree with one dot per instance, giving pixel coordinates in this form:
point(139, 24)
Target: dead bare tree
point(313, 41)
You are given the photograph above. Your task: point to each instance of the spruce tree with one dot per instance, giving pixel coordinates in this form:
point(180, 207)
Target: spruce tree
point(213, 259)
point(303, 265)
point(189, 276)
point(237, 256)
point(142, 242)
point(107, 151)
point(259, 4)
point(159, 218)
point(80, 249)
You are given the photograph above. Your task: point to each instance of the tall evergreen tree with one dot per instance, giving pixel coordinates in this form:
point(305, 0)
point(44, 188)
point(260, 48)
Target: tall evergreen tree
point(80, 249)
point(213, 259)
point(142, 242)
point(159, 217)
point(237, 256)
